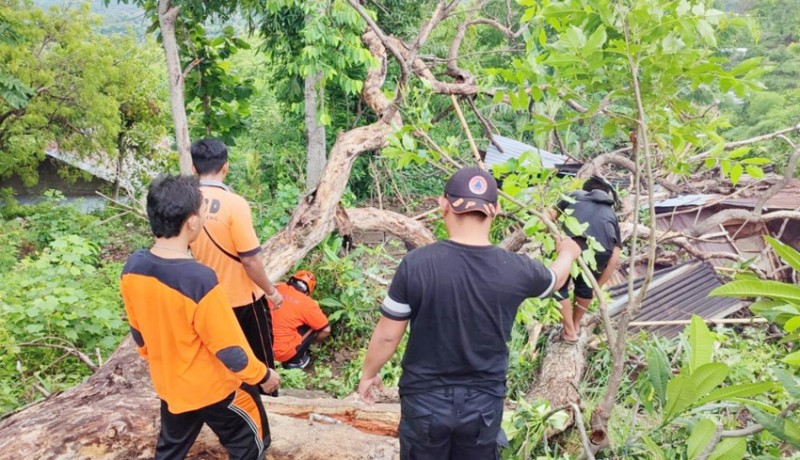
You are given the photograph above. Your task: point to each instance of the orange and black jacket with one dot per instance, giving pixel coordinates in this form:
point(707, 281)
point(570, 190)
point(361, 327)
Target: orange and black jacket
point(184, 327)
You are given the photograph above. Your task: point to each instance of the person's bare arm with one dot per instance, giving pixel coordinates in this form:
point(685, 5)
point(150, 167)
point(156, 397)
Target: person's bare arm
point(568, 251)
point(382, 345)
point(323, 334)
point(255, 270)
point(612, 265)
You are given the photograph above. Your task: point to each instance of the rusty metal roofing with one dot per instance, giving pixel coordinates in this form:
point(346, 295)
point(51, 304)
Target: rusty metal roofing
point(675, 293)
point(514, 149)
point(787, 198)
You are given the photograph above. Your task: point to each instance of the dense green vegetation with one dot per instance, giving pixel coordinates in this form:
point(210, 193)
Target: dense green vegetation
point(706, 76)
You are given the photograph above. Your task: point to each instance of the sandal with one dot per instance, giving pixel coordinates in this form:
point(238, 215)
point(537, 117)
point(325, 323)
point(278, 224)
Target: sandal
point(564, 339)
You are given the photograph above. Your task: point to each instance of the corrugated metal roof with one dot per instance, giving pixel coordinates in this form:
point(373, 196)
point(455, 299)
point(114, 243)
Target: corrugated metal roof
point(787, 198)
point(675, 293)
point(514, 149)
point(683, 200)
point(104, 166)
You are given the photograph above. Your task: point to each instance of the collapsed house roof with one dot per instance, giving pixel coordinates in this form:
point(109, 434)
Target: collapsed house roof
point(514, 149)
point(133, 171)
point(676, 293)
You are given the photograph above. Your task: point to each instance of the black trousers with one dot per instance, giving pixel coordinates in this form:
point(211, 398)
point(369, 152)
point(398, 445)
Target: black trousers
point(304, 346)
point(239, 421)
point(256, 323)
point(454, 423)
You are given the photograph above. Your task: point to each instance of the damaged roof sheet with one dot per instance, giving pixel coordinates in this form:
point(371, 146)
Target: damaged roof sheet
point(514, 149)
point(675, 293)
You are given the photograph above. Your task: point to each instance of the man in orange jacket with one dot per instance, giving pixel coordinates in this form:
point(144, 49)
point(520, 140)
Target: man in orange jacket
point(299, 322)
point(200, 362)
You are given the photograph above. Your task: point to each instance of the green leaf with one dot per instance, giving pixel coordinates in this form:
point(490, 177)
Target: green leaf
point(729, 449)
point(789, 383)
point(792, 325)
point(754, 171)
point(680, 396)
point(707, 32)
point(701, 344)
point(738, 153)
point(759, 288)
point(792, 359)
point(656, 452)
point(707, 377)
point(595, 41)
point(736, 391)
point(702, 433)
point(774, 424)
point(788, 254)
point(658, 371)
point(736, 173)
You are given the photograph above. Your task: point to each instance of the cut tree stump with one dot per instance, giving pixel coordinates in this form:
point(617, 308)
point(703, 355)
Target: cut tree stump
point(114, 415)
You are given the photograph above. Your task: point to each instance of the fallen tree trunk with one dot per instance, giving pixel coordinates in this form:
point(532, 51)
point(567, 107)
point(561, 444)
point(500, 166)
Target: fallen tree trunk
point(560, 375)
point(114, 415)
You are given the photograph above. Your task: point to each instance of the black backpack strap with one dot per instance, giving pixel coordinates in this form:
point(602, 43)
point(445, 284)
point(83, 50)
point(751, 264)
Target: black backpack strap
point(236, 258)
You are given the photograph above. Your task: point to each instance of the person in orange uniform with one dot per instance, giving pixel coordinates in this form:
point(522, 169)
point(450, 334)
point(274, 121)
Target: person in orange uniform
point(200, 362)
point(229, 245)
point(299, 322)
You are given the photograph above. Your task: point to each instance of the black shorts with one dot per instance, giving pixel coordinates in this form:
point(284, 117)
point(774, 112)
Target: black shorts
point(582, 288)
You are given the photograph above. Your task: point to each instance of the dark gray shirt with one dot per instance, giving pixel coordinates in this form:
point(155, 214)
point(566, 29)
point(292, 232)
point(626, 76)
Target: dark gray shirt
point(462, 301)
point(595, 208)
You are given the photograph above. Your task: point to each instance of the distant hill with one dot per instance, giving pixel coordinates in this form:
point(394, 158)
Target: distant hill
point(117, 18)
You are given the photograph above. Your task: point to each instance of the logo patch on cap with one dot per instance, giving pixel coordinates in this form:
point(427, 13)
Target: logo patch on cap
point(478, 185)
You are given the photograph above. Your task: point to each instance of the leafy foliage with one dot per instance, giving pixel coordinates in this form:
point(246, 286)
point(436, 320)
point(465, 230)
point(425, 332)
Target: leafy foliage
point(63, 82)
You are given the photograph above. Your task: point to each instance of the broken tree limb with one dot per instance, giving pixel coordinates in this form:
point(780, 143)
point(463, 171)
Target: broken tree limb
point(560, 375)
point(314, 218)
point(405, 228)
point(681, 322)
point(114, 415)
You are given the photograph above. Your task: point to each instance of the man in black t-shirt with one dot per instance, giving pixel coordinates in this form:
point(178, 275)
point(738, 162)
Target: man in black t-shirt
point(594, 206)
point(461, 296)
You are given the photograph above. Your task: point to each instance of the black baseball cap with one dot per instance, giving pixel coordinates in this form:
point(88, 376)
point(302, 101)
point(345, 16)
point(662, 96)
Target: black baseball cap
point(472, 189)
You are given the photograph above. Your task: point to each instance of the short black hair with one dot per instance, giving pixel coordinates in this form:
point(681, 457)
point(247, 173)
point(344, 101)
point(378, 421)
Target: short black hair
point(171, 200)
point(209, 156)
point(601, 183)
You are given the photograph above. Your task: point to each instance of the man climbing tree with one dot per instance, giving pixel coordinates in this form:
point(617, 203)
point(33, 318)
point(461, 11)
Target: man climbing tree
point(593, 206)
point(461, 296)
point(200, 363)
point(229, 245)
point(299, 322)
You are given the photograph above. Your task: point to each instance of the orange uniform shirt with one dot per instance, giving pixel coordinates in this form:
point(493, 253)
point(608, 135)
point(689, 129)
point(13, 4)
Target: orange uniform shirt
point(296, 310)
point(230, 224)
point(184, 327)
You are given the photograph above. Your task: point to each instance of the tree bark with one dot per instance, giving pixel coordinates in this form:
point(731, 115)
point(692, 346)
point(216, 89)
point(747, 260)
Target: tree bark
point(167, 16)
point(114, 415)
point(412, 232)
point(560, 375)
point(314, 217)
point(315, 131)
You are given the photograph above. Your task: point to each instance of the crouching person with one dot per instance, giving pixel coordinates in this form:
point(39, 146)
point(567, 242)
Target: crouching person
point(200, 363)
point(299, 322)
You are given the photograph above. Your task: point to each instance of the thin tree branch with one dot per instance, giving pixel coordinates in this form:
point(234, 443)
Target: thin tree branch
point(742, 143)
point(587, 447)
point(191, 66)
point(382, 36)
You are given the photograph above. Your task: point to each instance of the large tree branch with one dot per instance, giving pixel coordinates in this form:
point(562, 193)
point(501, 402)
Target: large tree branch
point(412, 232)
point(616, 158)
point(314, 217)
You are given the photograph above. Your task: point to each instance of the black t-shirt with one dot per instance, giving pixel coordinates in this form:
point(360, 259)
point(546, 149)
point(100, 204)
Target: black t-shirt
point(462, 301)
point(595, 208)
